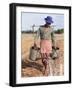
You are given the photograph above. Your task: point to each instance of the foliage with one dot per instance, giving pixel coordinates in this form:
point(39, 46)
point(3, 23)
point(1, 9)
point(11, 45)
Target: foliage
point(59, 31)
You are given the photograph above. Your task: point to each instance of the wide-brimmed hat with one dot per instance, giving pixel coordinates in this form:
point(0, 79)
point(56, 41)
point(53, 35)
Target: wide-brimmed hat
point(48, 19)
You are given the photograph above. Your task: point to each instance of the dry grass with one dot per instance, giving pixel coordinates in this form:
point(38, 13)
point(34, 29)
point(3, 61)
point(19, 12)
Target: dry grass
point(34, 69)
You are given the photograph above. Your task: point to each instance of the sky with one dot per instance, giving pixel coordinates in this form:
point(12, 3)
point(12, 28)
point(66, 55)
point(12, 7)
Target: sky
point(28, 19)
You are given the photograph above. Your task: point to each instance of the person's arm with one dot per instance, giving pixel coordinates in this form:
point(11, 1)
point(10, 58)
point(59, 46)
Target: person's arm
point(53, 39)
point(37, 36)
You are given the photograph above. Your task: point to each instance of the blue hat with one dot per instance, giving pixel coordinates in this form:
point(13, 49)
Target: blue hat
point(48, 19)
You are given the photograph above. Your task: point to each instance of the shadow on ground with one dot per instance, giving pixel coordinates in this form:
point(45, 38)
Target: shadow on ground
point(32, 65)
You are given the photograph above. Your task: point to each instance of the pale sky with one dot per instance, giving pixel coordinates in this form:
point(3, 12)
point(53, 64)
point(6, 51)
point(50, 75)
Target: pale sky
point(28, 19)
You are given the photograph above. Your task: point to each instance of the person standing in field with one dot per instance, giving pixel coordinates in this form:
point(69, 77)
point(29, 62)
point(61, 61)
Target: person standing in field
point(47, 40)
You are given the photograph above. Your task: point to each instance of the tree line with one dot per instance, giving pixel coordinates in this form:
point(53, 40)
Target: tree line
point(59, 31)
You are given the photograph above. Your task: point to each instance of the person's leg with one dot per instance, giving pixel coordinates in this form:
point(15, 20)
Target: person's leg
point(47, 70)
point(51, 65)
point(45, 61)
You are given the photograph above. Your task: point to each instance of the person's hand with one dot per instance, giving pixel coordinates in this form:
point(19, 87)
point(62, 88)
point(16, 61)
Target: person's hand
point(54, 47)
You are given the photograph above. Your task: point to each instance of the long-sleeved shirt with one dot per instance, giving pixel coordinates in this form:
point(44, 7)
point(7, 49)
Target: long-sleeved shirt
point(46, 34)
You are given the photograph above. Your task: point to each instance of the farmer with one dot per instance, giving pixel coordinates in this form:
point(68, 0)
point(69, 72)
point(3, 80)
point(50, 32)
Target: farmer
point(46, 42)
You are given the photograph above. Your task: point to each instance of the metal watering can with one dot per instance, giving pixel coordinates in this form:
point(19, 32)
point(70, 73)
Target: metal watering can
point(55, 53)
point(34, 53)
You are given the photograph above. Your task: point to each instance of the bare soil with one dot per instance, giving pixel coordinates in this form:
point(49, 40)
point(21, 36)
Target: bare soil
point(35, 68)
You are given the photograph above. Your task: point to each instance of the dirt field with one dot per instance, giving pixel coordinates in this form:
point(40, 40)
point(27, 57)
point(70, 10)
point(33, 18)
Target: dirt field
point(34, 69)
